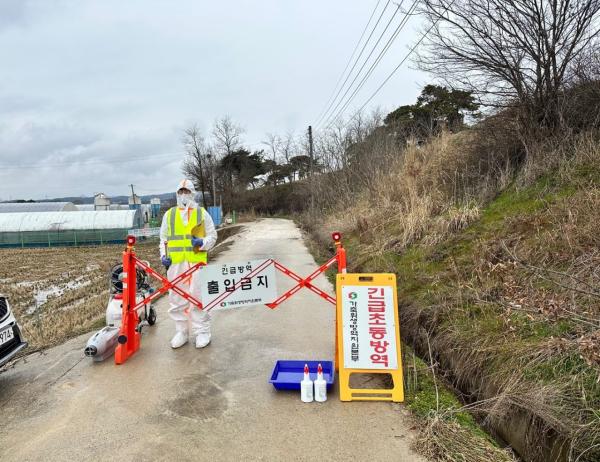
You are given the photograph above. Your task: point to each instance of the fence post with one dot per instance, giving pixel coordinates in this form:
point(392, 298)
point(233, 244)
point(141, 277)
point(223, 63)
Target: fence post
point(340, 254)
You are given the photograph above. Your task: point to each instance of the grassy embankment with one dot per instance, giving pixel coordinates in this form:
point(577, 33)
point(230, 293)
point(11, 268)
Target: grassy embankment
point(501, 285)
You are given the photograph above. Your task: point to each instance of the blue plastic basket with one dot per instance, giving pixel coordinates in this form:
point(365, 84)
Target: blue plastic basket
point(288, 374)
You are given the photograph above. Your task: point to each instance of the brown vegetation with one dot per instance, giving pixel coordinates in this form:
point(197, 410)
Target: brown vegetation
point(60, 292)
point(497, 269)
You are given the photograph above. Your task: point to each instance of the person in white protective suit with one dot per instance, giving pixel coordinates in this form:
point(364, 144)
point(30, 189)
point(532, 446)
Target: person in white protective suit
point(179, 251)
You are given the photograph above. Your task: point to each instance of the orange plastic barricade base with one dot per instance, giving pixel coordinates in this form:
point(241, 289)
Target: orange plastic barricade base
point(352, 335)
point(128, 349)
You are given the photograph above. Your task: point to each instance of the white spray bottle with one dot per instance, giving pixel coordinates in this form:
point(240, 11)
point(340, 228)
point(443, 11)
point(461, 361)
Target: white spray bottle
point(306, 387)
point(320, 386)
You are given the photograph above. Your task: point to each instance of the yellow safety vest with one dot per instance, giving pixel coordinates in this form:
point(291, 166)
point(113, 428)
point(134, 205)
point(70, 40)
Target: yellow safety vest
point(179, 237)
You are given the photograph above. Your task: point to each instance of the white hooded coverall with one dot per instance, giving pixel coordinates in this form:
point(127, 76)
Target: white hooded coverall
point(181, 311)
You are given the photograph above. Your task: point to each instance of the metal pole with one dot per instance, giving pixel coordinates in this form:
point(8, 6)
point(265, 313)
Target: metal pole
point(310, 168)
point(214, 189)
point(340, 254)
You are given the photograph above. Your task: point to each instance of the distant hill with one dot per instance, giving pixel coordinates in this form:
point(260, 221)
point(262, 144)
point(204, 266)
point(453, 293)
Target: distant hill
point(113, 199)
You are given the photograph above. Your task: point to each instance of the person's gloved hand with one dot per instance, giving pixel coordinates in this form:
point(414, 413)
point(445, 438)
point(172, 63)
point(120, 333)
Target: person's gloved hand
point(197, 242)
point(166, 261)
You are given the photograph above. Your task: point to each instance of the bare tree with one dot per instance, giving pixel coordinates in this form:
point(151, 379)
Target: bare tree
point(507, 50)
point(273, 142)
point(337, 141)
point(581, 105)
point(587, 66)
point(227, 135)
point(358, 127)
point(196, 163)
point(288, 146)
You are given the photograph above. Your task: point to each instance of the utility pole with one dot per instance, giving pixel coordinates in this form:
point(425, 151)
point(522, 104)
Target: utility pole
point(310, 168)
point(212, 174)
point(133, 203)
point(214, 189)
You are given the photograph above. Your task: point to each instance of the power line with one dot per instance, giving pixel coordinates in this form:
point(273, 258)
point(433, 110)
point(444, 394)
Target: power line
point(328, 113)
point(403, 60)
point(349, 61)
point(373, 66)
point(358, 57)
point(376, 62)
point(363, 64)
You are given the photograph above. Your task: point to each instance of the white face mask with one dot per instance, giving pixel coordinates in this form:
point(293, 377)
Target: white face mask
point(184, 200)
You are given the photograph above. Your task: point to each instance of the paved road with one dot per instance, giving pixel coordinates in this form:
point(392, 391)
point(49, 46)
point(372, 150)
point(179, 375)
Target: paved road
point(212, 404)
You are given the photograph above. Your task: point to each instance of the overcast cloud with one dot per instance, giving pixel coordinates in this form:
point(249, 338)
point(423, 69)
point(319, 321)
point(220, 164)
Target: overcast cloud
point(86, 83)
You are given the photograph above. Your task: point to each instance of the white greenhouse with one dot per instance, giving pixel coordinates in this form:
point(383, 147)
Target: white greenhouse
point(86, 207)
point(67, 228)
point(16, 207)
point(93, 207)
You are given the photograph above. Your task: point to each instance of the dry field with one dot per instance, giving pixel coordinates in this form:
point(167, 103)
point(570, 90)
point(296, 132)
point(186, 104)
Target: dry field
point(61, 291)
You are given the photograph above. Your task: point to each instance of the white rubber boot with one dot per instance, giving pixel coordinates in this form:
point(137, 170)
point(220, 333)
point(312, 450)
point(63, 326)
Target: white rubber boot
point(179, 339)
point(202, 340)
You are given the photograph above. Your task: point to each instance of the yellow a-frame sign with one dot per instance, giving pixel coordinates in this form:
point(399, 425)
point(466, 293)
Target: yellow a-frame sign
point(368, 334)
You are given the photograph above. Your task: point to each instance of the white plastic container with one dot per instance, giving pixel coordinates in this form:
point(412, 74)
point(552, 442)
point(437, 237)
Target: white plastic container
point(306, 387)
point(320, 386)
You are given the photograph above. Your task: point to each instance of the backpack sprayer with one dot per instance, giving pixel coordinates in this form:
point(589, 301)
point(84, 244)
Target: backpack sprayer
point(103, 343)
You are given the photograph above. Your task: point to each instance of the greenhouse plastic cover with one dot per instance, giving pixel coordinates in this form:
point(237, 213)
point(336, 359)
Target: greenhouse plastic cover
point(61, 221)
point(92, 207)
point(16, 207)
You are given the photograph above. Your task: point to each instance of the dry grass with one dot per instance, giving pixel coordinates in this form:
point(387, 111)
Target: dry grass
point(247, 216)
point(428, 193)
point(521, 315)
point(447, 432)
point(448, 441)
point(71, 285)
point(501, 269)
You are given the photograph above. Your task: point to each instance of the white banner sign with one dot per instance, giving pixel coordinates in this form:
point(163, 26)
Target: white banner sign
point(369, 329)
point(233, 285)
point(144, 232)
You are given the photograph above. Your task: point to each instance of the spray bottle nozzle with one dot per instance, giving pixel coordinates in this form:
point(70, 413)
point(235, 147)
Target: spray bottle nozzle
point(320, 385)
point(306, 387)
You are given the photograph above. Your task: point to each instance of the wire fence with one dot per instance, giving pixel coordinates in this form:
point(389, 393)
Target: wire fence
point(62, 238)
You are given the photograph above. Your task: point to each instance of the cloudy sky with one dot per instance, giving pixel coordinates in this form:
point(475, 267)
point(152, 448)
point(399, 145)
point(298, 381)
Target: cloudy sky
point(86, 85)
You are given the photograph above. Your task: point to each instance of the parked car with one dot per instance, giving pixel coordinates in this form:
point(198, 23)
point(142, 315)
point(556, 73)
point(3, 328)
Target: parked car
point(11, 339)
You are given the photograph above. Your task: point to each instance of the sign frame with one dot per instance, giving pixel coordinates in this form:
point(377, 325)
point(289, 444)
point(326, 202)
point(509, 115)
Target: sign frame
point(396, 393)
point(245, 275)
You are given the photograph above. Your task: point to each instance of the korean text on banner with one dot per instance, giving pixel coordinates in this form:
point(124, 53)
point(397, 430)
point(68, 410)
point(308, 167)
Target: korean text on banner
point(238, 284)
point(369, 327)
